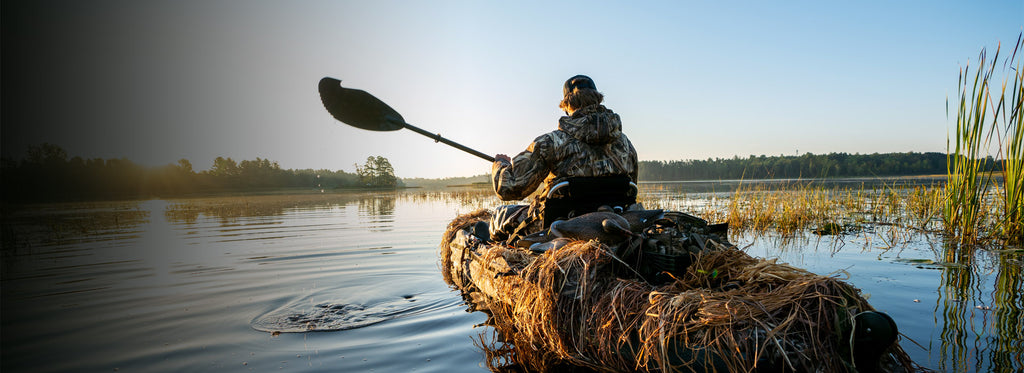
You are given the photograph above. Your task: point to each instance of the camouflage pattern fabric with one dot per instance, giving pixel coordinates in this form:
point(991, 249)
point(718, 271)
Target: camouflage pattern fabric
point(506, 220)
point(588, 143)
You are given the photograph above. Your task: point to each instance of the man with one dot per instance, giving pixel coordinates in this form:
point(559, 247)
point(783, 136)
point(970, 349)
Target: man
point(588, 149)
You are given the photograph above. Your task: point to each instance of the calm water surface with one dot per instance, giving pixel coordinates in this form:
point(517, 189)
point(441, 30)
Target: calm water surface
point(183, 285)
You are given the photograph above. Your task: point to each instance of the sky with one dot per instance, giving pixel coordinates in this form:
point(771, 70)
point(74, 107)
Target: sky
point(158, 81)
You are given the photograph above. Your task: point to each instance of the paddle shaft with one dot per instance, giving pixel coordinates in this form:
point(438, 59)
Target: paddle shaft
point(438, 138)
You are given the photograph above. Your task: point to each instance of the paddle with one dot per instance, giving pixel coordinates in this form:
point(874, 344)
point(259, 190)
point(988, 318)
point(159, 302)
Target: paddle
point(360, 109)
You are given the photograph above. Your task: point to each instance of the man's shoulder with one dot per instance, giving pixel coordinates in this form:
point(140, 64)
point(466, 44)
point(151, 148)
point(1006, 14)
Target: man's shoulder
point(555, 138)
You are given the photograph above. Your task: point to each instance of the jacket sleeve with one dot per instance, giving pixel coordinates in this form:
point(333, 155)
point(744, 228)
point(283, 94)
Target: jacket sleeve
point(635, 173)
point(517, 180)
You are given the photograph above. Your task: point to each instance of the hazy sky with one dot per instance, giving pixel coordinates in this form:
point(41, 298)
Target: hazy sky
point(156, 81)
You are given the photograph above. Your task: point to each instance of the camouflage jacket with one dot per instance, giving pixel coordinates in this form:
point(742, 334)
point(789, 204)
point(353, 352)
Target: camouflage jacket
point(588, 143)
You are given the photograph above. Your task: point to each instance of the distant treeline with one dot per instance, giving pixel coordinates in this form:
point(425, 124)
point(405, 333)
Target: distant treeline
point(764, 167)
point(803, 166)
point(482, 179)
point(48, 174)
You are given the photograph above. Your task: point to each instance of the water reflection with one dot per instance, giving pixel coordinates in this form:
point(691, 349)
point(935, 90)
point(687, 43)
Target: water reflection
point(980, 333)
point(377, 212)
point(502, 356)
point(25, 227)
point(230, 208)
point(1008, 301)
point(956, 303)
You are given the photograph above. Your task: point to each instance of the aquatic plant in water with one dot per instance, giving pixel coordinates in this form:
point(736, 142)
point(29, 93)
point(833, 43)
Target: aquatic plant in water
point(968, 180)
point(964, 186)
point(1013, 151)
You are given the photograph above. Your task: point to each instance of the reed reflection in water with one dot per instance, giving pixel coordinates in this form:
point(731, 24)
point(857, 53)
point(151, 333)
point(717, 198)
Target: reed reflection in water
point(981, 326)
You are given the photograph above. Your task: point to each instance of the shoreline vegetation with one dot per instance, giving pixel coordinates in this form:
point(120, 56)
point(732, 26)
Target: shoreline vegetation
point(906, 205)
point(48, 174)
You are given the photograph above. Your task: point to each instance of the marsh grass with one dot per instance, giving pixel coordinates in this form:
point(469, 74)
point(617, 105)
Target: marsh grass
point(787, 211)
point(922, 206)
point(1012, 150)
point(966, 182)
point(466, 197)
point(984, 113)
point(890, 214)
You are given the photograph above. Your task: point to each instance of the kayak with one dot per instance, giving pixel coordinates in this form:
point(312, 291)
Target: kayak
point(672, 295)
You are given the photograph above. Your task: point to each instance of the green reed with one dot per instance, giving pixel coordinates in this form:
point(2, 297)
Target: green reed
point(980, 112)
point(1012, 150)
point(966, 184)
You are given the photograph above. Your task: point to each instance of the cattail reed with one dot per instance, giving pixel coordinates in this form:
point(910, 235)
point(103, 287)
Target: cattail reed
point(983, 112)
point(966, 183)
point(1013, 150)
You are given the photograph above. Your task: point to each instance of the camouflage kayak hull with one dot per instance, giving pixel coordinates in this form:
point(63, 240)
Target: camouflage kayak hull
point(676, 297)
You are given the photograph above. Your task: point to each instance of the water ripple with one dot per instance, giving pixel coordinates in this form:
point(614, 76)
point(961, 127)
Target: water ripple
point(299, 316)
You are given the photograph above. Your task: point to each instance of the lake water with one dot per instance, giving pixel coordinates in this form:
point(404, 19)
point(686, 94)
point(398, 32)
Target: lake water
point(183, 285)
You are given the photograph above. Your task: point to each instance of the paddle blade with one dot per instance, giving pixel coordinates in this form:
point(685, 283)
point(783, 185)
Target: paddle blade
point(358, 108)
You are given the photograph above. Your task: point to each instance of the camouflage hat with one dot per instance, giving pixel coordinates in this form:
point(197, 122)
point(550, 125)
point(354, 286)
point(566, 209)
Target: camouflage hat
point(577, 82)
